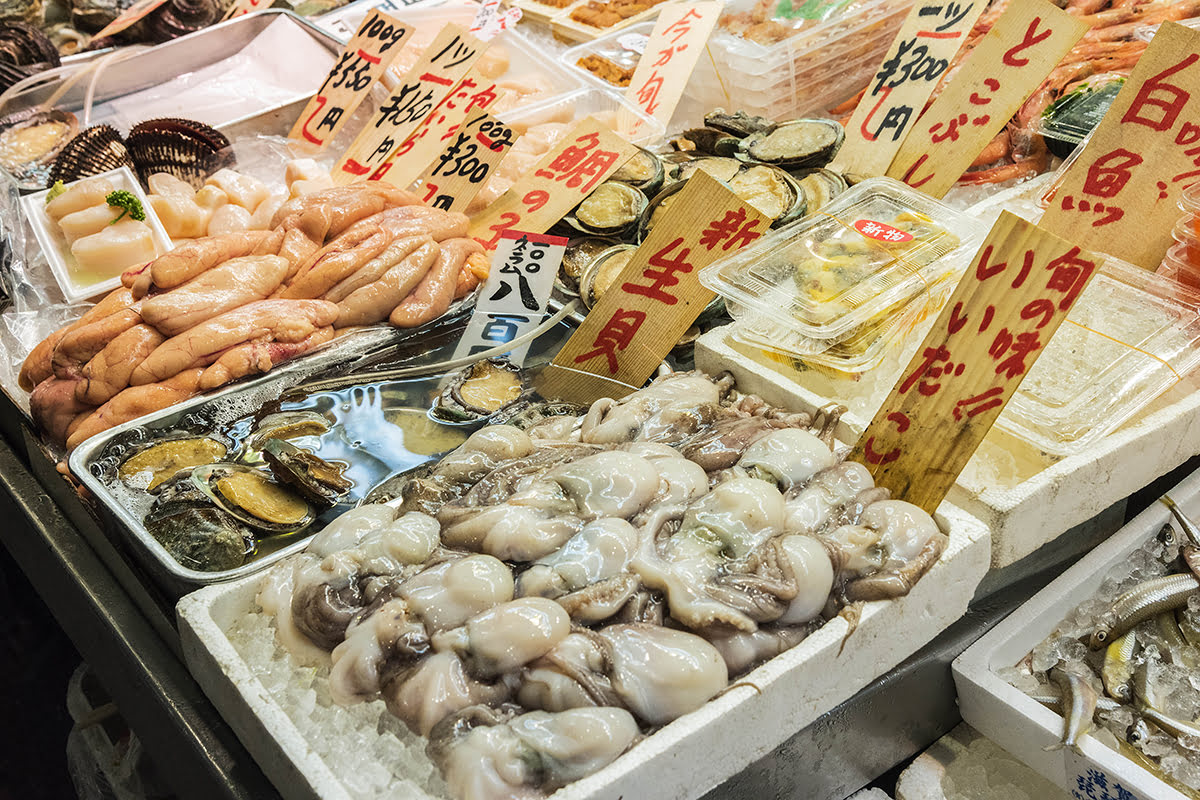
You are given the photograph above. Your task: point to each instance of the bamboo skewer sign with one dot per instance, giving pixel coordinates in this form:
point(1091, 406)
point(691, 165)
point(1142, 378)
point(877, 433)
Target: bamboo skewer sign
point(998, 76)
point(1019, 288)
point(1120, 194)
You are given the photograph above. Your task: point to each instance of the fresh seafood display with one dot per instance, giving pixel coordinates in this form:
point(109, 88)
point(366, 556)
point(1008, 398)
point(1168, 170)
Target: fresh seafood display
point(565, 586)
point(103, 226)
point(1119, 668)
point(223, 307)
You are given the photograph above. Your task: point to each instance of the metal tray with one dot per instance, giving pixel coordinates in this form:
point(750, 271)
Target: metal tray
point(163, 62)
point(343, 356)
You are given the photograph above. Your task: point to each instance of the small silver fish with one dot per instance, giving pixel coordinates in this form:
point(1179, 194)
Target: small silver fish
point(1117, 671)
point(1147, 599)
point(1078, 706)
point(1185, 522)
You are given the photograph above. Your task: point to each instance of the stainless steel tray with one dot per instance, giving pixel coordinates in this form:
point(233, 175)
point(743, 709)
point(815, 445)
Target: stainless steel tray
point(163, 62)
point(344, 355)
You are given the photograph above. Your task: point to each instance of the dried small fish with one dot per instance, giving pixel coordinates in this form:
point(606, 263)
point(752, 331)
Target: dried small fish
point(1147, 599)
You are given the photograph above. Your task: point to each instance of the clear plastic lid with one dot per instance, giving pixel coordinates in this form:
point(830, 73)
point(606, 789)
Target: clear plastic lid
point(1073, 117)
point(771, 22)
point(1132, 335)
point(868, 253)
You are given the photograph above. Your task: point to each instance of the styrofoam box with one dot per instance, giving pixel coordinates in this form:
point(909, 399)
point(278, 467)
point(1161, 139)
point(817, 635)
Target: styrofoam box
point(1024, 727)
point(682, 760)
point(1047, 503)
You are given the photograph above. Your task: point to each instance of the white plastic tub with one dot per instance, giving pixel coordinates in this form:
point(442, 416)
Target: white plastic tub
point(683, 760)
point(1024, 727)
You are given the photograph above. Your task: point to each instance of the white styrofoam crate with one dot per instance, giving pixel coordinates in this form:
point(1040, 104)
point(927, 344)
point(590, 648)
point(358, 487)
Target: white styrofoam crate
point(1024, 727)
point(682, 760)
point(1055, 499)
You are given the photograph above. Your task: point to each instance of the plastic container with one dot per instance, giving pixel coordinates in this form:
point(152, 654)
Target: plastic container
point(575, 106)
point(1146, 32)
point(558, 17)
point(1131, 336)
point(1071, 119)
point(802, 58)
point(819, 281)
point(76, 287)
point(1177, 266)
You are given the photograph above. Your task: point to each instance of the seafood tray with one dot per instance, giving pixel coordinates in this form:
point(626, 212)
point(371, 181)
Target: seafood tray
point(1044, 497)
point(188, 54)
point(205, 413)
point(682, 760)
point(560, 22)
point(1026, 728)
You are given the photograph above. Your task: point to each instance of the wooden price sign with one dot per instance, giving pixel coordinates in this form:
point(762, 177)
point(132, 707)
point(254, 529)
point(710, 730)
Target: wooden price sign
point(920, 54)
point(368, 54)
point(1026, 43)
point(441, 67)
point(456, 176)
point(657, 296)
point(1018, 290)
point(473, 93)
point(662, 73)
point(566, 175)
point(1120, 195)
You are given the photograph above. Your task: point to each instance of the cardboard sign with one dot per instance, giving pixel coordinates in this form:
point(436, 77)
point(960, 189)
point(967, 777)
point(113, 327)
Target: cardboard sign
point(128, 17)
point(242, 7)
point(490, 21)
point(1120, 195)
point(657, 296)
point(368, 54)
point(514, 298)
point(1018, 290)
point(441, 67)
point(920, 54)
point(662, 73)
point(1011, 61)
point(461, 170)
point(566, 175)
point(473, 94)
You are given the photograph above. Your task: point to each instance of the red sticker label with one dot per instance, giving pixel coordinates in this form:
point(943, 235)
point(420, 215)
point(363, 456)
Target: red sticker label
point(881, 231)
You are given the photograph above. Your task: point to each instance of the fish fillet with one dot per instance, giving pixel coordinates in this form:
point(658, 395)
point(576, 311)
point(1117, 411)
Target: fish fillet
point(108, 372)
point(136, 401)
point(236, 282)
point(376, 268)
point(375, 301)
point(253, 358)
point(187, 261)
point(81, 344)
point(38, 364)
point(435, 292)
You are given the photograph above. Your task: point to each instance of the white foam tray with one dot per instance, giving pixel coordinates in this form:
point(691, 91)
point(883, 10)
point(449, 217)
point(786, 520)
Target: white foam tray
point(1043, 507)
point(1023, 727)
point(683, 760)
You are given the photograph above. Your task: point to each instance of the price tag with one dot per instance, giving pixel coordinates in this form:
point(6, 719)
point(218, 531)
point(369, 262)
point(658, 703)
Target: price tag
point(441, 67)
point(128, 17)
point(490, 20)
point(1120, 195)
point(1026, 43)
point(514, 298)
point(452, 181)
point(920, 54)
point(1019, 288)
point(472, 94)
point(566, 175)
point(633, 42)
point(372, 49)
point(662, 73)
point(242, 7)
point(657, 296)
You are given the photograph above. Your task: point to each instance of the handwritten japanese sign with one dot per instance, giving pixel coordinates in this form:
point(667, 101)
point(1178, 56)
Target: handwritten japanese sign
point(662, 73)
point(565, 176)
point(376, 43)
point(920, 54)
point(1018, 290)
point(462, 169)
point(657, 296)
point(1012, 60)
point(515, 296)
point(1120, 194)
point(444, 63)
point(242, 7)
point(404, 165)
point(490, 20)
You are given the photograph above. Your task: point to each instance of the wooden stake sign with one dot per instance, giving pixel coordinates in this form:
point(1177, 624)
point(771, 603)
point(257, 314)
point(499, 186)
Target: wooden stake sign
point(662, 73)
point(920, 54)
point(452, 181)
point(657, 296)
point(443, 65)
point(368, 54)
point(1018, 290)
point(1026, 43)
point(566, 175)
point(1120, 195)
